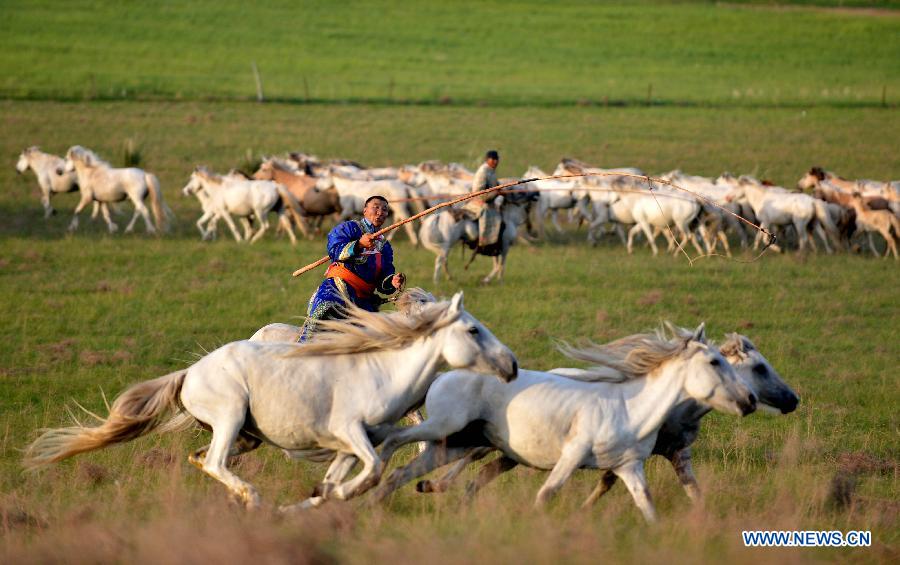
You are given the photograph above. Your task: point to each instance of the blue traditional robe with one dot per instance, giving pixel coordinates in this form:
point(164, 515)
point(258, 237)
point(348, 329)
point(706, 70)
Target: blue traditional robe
point(374, 266)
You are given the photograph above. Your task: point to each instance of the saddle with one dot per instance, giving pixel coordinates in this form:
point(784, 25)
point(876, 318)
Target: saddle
point(492, 249)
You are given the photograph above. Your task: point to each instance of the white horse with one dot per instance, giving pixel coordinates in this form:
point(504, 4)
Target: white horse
point(47, 169)
point(99, 182)
point(775, 207)
point(558, 423)
point(715, 216)
point(220, 197)
point(354, 193)
point(327, 396)
point(663, 208)
point(676, 435)
point(439, 232)
point(554, 195)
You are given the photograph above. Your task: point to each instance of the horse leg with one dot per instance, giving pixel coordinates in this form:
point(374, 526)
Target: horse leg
point(44, 183)
point(570, 459)
point(263, 226)
point(435, 455)
point(651, 238)
point(724, 239)
point(681, 461)
point(285, 223)
point(113, 228)
point(872, 244)
point(606, 482)
point(206, 217)
point(554, 219)
point(85, 198)
point(226, 422)
point(631, 233)
point(242, 444)
point(442, 484)
point(139, 208)
point(230, 223)
point(490, 472)
point(343, 463)
point(632, 475)
point(247, 227)
point(357, 438)
point(416, 417)
point(820, 231)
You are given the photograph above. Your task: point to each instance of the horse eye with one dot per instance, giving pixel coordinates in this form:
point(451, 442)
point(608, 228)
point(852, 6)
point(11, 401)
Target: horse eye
point(715, 363)
point(760, 369)
point(473, 330)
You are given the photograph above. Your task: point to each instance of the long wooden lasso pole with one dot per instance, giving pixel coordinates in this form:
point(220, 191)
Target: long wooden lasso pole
point(498, 188)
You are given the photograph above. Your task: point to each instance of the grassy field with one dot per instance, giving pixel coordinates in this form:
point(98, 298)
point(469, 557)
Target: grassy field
point(758, 88)
point(90, 311)
point(454, 52)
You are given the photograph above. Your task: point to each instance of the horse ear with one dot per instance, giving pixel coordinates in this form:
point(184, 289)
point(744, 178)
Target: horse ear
point(700, 333)
point(456, 304)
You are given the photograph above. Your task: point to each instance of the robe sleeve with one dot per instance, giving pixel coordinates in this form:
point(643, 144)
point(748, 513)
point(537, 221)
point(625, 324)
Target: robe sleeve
point(342, 241)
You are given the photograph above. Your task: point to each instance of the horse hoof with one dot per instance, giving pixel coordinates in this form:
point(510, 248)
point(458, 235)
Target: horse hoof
point(425, 486)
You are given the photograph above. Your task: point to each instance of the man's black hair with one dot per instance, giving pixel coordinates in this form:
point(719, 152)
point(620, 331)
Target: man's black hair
point(492, 154)
point(377, 197)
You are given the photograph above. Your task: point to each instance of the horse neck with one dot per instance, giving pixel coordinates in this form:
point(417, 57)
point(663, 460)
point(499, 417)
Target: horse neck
point(409, 371)
point(650, 399)
point(755, 194)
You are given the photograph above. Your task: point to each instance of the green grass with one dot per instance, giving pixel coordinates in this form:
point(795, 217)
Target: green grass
point(174, 137)
point(452, 52)
point(90, 311)
point(762, 89)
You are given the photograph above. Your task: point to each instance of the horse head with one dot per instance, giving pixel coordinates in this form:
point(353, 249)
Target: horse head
point(266, 171)
point(772, 392)
point(710, 378)
point(25, 159)
point(468, 344)
point(196, 182)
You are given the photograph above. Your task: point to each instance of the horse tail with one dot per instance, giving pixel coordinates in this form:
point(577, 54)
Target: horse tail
point(895, 223)
point(136, 412)
point(294, 208)
point(824, 216)
point(157, 205)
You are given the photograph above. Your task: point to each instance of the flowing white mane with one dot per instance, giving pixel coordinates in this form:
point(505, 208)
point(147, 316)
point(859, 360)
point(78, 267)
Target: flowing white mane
point(363, 331)
point(627, 358)
point(87, 157)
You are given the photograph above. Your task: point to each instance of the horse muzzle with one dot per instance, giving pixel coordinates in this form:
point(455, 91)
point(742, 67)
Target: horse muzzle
point(509, 370)
point(747, 406)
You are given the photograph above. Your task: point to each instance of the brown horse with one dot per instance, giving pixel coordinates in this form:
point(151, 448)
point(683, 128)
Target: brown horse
point(315, 203)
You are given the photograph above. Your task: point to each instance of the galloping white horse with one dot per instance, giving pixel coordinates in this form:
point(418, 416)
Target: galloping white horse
point(441, 231)
point(47, 169)
point(100, 182)
point(314, 399)
point(220, 197)
point(548, 421)
point(355, 192)
point(676, 435)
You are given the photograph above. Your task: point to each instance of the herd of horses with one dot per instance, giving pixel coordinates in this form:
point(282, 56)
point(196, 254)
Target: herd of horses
point(302, 190)
point(339, 396)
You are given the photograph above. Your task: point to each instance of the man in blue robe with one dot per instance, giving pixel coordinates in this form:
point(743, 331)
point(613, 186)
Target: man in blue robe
point(362, 265)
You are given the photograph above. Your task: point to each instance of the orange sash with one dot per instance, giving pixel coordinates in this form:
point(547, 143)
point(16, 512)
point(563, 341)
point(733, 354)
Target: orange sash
point(362, 288)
